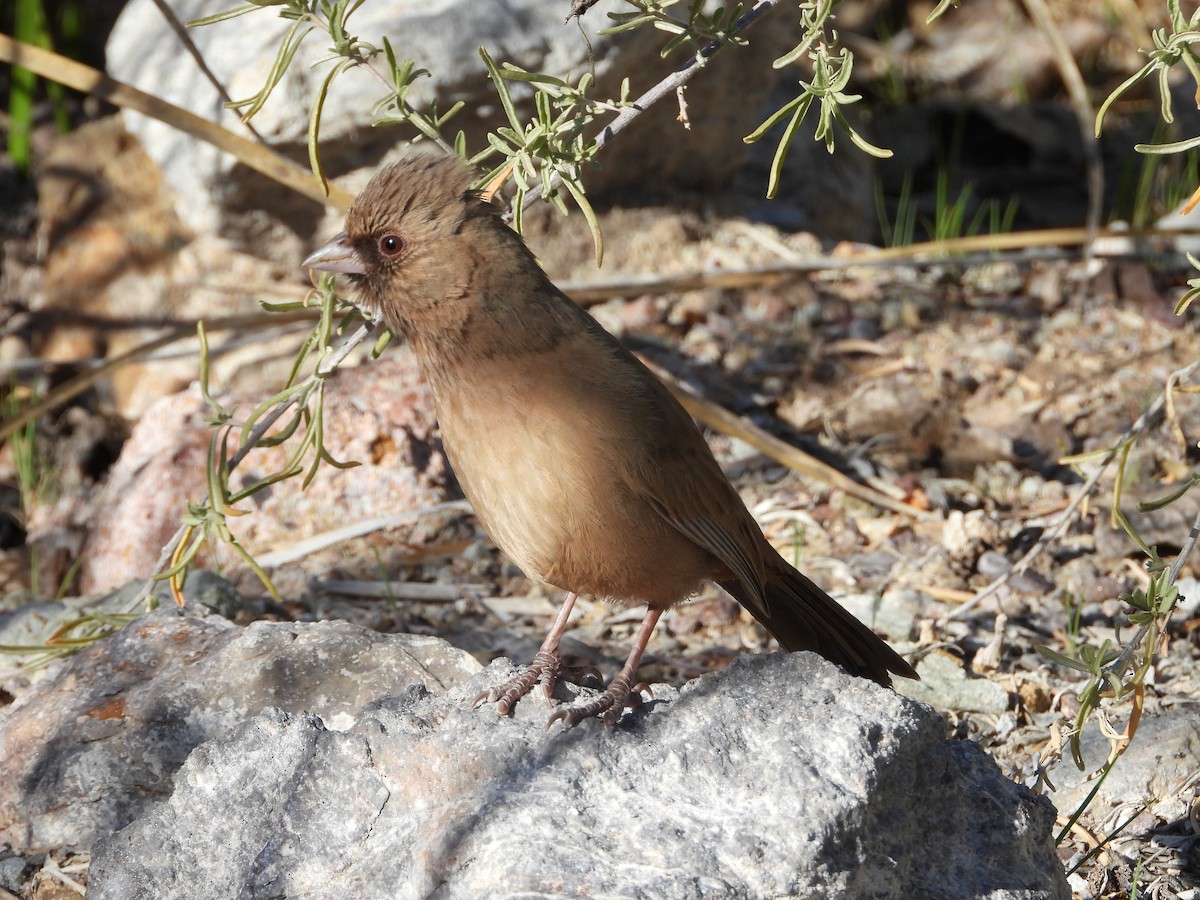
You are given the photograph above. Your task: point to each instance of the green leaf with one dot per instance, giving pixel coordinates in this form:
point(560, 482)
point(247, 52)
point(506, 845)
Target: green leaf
point(512, 73)
point(287, 51)
point(314, 121)
point(1153, 505)
point(796, 52)
point(766, 126)
point(501, 90)
point(576, 191)
point(1118, 91)
point(1164, 93)
point(629, 22)
point(1058, 659)
point(789, 133)
point(381, 343)
point(939, 10)
point(222, 16)
point(859, 141)
point(1174, 147)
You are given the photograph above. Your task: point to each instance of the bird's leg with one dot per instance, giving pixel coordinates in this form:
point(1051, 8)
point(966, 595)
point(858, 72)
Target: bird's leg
point(545, 667)
point(614, 700)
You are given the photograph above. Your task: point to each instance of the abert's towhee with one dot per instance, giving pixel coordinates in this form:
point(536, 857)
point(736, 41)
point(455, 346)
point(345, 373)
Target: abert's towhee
point(579, 463)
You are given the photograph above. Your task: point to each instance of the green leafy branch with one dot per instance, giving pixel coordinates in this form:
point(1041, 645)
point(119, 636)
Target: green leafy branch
point(552, 148)
point(1172, 46)
point(303, 398)
point(700, 29)
point(346, 52)
point(1114, 670)
point(72, 635)
point(394, 108)
point(831, 71)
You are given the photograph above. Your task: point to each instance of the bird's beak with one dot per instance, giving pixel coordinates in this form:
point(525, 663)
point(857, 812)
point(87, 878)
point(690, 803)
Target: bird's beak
point(336, 256)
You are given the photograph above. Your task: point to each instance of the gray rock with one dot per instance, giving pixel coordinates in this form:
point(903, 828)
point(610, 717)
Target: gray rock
point(778, 776)
point(1189, 596)
point(30, 626)
point(894, 614)
point(88, 750)
point(944, 685)
point(11, 870)
point(1160, 764)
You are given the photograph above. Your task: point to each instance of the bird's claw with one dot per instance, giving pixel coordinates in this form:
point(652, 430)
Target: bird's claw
point(543, 670)
point(546, 669)
point(610, 705)
point(584, 676)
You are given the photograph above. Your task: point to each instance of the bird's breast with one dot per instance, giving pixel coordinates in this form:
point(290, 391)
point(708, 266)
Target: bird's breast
point(538, 452)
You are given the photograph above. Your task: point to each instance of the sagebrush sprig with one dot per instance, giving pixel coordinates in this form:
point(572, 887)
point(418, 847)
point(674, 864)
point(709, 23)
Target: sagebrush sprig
point(1112, 669)
point(552, 148)
point(304, 397)
point(831, 69)
point(347, 51)
point(1172, 46)
point(698, 30)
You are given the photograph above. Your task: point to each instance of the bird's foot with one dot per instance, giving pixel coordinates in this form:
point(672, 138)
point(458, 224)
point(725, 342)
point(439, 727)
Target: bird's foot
point(621, 694)
point(546, 669)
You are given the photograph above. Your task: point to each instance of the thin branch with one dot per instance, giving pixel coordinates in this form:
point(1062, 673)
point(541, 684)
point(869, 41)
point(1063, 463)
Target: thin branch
point(84, 380)
point(419, 592)
point(664, 88)
point(720, 419)
point(579, 7)
point(1016, 247)
point(326, 539)
point(244, 338)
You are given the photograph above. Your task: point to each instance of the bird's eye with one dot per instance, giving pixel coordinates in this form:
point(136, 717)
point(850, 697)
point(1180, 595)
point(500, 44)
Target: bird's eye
point(392, 245)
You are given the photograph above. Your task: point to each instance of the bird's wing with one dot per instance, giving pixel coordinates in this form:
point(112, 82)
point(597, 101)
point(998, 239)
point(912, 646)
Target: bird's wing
point(715, 536)
point(665, 458)
point(686, 486)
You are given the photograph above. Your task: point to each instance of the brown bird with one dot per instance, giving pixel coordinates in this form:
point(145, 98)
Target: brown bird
point(579, 463)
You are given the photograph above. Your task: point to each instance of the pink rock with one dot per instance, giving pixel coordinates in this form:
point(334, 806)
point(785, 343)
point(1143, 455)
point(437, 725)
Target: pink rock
point(379, 415)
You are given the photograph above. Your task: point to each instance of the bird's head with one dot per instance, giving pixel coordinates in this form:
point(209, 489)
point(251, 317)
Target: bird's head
point(416, 246)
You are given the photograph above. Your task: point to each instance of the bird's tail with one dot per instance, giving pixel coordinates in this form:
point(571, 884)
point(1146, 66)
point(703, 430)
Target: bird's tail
point(804, 617)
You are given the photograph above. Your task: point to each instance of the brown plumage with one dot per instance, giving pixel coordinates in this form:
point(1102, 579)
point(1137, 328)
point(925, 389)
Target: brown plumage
point(581, 466)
